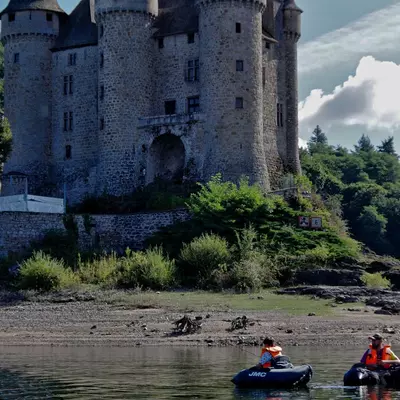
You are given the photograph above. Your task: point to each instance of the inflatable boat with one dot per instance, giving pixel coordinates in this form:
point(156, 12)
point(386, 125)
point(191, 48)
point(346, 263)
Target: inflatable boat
point(278, 378)
point(359, 375)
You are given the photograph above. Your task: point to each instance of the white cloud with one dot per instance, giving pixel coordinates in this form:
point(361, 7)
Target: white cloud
point(302, 143)
point(376, 33)
point(370, 98)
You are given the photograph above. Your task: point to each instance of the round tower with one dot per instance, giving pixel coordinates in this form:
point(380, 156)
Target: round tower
point(232, 88)
point(29, 30)
point(292, 32)
point(126, 87)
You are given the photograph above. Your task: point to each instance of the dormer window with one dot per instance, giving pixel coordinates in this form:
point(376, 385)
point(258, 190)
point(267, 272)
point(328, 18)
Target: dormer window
point(11, 17)
point(49, 17)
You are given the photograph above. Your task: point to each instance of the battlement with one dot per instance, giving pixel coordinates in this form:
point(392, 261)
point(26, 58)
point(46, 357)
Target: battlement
point(260, 4)
point(176, 119)
point(35, 22)
point(144, 6)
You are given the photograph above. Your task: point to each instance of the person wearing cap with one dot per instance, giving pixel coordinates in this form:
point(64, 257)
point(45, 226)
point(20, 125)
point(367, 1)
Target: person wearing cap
point(269, 352)
point(379, 354)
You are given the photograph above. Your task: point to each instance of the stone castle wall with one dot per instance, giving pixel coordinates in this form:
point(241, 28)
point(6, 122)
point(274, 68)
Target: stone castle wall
point(109, 232)
point(234, 134)
point(78, 172)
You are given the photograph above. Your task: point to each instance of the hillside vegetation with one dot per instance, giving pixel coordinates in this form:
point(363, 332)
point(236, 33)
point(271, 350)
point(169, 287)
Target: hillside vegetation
point(362, 186)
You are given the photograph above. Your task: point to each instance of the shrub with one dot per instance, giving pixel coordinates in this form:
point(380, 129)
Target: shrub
point(202, 257)
point(99, 271)
point(376, 281)
point(150, 269)
point(41, 272)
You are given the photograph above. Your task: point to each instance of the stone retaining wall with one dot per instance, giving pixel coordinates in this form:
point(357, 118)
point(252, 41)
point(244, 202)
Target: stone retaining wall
point(110, 232)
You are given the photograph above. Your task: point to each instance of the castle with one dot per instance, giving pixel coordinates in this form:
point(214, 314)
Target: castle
point(121, 92)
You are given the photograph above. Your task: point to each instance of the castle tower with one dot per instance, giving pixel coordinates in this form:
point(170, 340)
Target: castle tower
point(292, 32)
point(28, 31)
point(232, 89)
point(126, 87)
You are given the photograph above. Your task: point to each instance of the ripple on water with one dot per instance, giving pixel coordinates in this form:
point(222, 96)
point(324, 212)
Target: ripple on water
point(165, 373)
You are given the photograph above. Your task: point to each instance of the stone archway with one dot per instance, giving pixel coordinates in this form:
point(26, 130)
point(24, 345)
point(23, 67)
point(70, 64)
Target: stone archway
point(166, 159)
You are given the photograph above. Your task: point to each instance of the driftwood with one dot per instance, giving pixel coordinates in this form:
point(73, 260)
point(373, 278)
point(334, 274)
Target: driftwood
point(186, 325)
point(239, 323)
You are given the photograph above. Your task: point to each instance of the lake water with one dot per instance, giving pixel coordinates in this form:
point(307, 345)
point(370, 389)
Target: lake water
point(165, 373)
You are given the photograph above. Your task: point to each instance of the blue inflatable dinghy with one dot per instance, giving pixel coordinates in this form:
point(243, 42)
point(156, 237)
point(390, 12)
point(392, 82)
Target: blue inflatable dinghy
point(282, 375)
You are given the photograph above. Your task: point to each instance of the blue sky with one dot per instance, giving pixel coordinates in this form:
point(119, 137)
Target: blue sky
point(349, 68)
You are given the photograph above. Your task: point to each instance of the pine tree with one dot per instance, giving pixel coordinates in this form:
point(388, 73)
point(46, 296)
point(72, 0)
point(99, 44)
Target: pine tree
point(387, 146)
point(364, 144)
point(318, 137)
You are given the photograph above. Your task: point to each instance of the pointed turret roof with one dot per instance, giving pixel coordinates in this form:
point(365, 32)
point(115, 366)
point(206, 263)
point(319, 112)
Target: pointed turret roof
point(26, 5)
point(81, 29)
point(291, 5)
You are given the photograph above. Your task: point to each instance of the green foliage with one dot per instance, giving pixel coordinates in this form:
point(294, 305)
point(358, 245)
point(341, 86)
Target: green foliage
point(5, 141)
point(42, 272)
point(148, 269)
point(364, 144)
point(159, 195)
point(376, 281)
point(367, 182)
point(387, 146)
point(99, 270)
point(201, 258)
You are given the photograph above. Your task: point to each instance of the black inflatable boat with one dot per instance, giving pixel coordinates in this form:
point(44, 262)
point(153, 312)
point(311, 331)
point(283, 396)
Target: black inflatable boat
point(359, 375)
point(282, 375)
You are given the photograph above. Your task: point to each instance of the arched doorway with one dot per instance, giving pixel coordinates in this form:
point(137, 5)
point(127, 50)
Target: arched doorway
point(166, 159)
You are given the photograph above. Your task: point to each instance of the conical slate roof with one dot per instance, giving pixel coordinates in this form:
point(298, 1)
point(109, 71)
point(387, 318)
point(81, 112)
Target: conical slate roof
point(81, 29)
point(25, 5)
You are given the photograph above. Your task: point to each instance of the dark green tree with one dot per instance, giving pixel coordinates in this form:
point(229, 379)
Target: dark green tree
point(364, 144)
point(5, 141)
point(318, 136)
point(387, 146)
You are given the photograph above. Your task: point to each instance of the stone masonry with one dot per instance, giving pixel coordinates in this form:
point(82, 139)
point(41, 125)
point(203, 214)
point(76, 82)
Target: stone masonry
point(121, 92)
point(108, 232)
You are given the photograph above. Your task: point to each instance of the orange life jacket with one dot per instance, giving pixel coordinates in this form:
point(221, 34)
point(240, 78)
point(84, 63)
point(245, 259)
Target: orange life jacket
point(275, 351)
point(372, 356)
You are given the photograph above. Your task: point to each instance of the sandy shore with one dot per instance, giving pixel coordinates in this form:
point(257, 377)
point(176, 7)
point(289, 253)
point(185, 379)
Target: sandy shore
point(100, 324)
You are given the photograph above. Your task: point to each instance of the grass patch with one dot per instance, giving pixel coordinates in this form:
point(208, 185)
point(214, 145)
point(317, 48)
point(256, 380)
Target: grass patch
point(205, 301)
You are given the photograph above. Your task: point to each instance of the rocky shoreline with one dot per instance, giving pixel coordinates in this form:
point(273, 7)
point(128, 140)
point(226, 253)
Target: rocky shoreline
point(80, 319)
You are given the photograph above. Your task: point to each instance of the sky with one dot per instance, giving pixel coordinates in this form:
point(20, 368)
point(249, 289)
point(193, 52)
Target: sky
point(349, 69)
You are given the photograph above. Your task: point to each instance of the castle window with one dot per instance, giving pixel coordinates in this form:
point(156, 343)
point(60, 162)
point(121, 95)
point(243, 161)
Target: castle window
point(267, 45)
point(193, 70)
point(193, 104)
point(101, 31)
point(49, 17)
point(68, 84)
point(102, 124)
point(68, 152)
point(239, 65)
point(161, 43)
point(16, 58)
point(65, 121)
point(279, 114)
point(170, 107)
point(72, 59)
point(11, 17)
point(101, 60)
point(190, 37)
point(101, 92)
point(238, 27)
point(71, 121)
point(263, 76)
point(239, 102)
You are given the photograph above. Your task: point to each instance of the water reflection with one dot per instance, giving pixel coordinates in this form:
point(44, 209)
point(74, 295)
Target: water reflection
point(166, 373)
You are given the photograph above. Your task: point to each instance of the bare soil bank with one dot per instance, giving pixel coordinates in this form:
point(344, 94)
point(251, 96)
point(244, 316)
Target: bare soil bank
point(101, 323)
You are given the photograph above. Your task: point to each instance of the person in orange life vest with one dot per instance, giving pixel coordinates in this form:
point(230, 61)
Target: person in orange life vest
point(379, 354)
point(268, 352)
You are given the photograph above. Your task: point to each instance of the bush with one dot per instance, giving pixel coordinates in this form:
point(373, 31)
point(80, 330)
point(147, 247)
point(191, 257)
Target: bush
point(99, 271)
point(201, 258)
point(150, 269)
point(41, 272)
point(376, 281)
